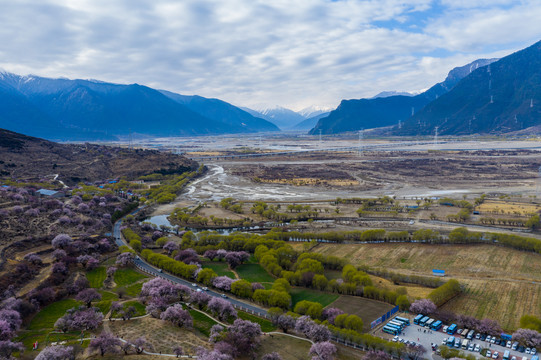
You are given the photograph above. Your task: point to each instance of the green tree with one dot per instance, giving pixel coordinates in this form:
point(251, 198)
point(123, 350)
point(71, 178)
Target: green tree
point(403, 302)
point(205, 276)
point(242, 288)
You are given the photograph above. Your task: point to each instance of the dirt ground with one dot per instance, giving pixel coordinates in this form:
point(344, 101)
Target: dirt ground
point(162, 335)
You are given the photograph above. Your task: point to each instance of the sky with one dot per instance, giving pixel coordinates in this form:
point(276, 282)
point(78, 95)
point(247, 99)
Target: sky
point(262, 53)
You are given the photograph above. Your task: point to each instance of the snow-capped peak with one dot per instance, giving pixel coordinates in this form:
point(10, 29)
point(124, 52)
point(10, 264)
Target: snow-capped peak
point(314, 110)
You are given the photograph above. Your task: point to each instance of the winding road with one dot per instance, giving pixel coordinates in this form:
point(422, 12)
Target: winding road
point(149, 269)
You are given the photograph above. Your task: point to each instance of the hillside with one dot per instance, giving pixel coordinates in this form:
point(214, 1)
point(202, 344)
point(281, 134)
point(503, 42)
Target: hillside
point(221, 111)
point(353, 115)
point(279, 116)
point(90, 110)
point(501, 98)
point(28, 158)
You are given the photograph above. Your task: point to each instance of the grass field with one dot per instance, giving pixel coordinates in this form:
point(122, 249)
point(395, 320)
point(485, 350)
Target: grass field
point(295, 349)
point(253, 273)
point(324, 298)
point(202, 322)
point(500, 283)
point(219, 268)
point(505, 301)
point(134, 290)
point(266, 325)
point(137, 305)
point(96, 277)
point(508, 207)
point(367, 309)
point(46, 318)
point(487, 261)
point(127, 276)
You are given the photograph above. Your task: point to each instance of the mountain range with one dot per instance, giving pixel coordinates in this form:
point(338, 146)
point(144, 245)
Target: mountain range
point(287, 119)
point(381, 111)
point(94, 110)
point(503, 97)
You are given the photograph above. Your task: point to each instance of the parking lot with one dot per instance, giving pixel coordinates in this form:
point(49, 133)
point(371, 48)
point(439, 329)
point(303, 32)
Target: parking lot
point(425, 337)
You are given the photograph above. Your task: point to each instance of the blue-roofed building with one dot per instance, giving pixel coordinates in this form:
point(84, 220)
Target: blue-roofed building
point(50, 193)
point(437, 272)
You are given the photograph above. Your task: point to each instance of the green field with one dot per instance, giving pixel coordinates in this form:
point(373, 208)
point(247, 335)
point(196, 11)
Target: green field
point(253, 273)
point(127, 276)
point(324, 298)
point(137, 305)
point(96, 277)
point(219, 268)
point(265, 324)
point(46, 318)
point(202, 322)
point(134, 290)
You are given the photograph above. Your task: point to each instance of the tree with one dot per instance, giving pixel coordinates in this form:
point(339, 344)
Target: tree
point(423, 306)
point(241, 288)
point(199, 298)
point(285, 322)
point(140, 344)
point(7, 347)
point(376, 355)
point(528, 337)
point(330, 314)
point(88, 295)
point(235, 258)
point(272, 356)
point(533, 222)
point(177, 316)
point(124, 259)
point(244, 336)
point(178, 351)
point(206, 276)
point(61, 241)
point(170, 246)
point(105, 343)
point(222, 308)
point(490, 327)
point(56, 352)
point(222, 283)
point(323, 351)
point(79, 319)
point(403, 302)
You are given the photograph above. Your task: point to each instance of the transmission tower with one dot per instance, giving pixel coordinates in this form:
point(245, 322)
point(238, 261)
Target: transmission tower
point(436, 137)
point(319, 137)
point(531, 103)
point(361, 138)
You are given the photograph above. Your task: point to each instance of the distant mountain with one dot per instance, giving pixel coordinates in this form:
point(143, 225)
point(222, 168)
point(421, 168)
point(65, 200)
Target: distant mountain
point(500, 98)
point(353, 115)
point(313, 111)
point(279, 116)
point(385, 94)
point(222, 111)
point(65, 109)
point(310, 122)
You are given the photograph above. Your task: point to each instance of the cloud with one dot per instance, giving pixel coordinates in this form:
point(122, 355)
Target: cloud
point(250, 52)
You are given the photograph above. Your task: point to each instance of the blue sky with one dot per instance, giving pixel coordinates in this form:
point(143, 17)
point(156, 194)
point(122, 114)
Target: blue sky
point(261, 53)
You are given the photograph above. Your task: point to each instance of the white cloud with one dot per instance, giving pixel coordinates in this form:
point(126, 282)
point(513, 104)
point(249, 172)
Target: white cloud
point(250, 52)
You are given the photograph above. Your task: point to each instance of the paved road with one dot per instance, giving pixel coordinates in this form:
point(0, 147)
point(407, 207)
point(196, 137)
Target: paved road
point(154, 271)
point(412, 333)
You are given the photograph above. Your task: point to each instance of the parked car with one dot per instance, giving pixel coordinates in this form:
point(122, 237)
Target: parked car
point(528, 350)
point(533, 351)
point(395, 339)
point(478, 336)
point(488, 354)
point(444, 341)
point(477, 348)
point(495, 355)
point(471, 347)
